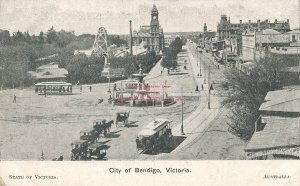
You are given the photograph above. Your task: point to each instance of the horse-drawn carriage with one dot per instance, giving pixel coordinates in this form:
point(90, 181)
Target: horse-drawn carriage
point(96, 151)
point(155, 137)
point(122, 117)
point(79, 149)
point(89, 134)
point(89, 146)
point(102, 127)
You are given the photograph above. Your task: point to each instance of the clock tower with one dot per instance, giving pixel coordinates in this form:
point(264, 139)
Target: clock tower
point(154, 24)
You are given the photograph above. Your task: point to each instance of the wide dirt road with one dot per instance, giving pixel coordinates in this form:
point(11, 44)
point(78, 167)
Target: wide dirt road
point(37, 124)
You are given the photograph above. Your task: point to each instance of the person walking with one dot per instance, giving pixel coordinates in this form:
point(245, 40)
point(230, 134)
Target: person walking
point(15, 99)
point(90, 88)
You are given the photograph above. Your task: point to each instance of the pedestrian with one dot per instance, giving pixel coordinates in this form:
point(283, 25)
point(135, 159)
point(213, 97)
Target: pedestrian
point(198, 75)
point(161, 72)
point(15, 99)
point(197, 89)
point(202, 87)
point(204, 81)
point(45, 92)
point(90, 88)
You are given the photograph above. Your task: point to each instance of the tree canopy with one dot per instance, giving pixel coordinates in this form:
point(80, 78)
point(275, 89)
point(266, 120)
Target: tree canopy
point(170, 59)
point(247, 93)
point(19, 52)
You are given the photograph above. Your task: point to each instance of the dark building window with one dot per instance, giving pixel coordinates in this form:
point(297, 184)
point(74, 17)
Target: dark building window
point(293, 38)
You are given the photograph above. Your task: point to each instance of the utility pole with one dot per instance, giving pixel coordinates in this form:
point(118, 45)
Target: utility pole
point(182, 132)
point(197, 55)
point(199, 61)
point(208, 81)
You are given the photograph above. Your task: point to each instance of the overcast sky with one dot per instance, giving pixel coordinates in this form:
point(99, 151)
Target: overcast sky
point(83, 16)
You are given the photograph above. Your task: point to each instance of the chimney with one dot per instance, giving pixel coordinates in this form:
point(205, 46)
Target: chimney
point(275, 20)
point(130, 26)
point(241, 21)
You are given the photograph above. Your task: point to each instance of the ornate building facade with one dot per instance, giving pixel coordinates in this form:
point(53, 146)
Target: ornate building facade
point(232, 32)
point(150, 36)
point(226, 29)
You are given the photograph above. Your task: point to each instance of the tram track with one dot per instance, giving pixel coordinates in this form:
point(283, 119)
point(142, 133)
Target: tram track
point(201, 129)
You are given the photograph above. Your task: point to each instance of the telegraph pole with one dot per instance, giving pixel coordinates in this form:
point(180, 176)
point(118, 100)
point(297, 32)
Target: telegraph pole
point(199, 61)
point(182, 132)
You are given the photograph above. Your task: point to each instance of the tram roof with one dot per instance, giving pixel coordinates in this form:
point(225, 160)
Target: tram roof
point(53, 83)
point(157, 124)
point(146, 132)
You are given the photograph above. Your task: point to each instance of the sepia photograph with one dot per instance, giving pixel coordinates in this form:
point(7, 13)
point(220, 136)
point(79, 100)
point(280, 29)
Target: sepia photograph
point(148, 80)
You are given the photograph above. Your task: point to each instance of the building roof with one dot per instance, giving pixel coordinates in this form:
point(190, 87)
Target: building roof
point(286, 100)
point(87, 52)
point(49, 71)
point(295, 31)
point(270, 32)
point(278, 133)
point(49, 76)
point(46, 58)
point(52, 65)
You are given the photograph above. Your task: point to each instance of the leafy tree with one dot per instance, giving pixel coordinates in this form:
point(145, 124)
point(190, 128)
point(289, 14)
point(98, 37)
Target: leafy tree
point(170, 59)
point(52, 36)
point(64, 38)
point(18, 37)
point(115, 39)
point(247, 93)
point(41, 38)
point(4, 37)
